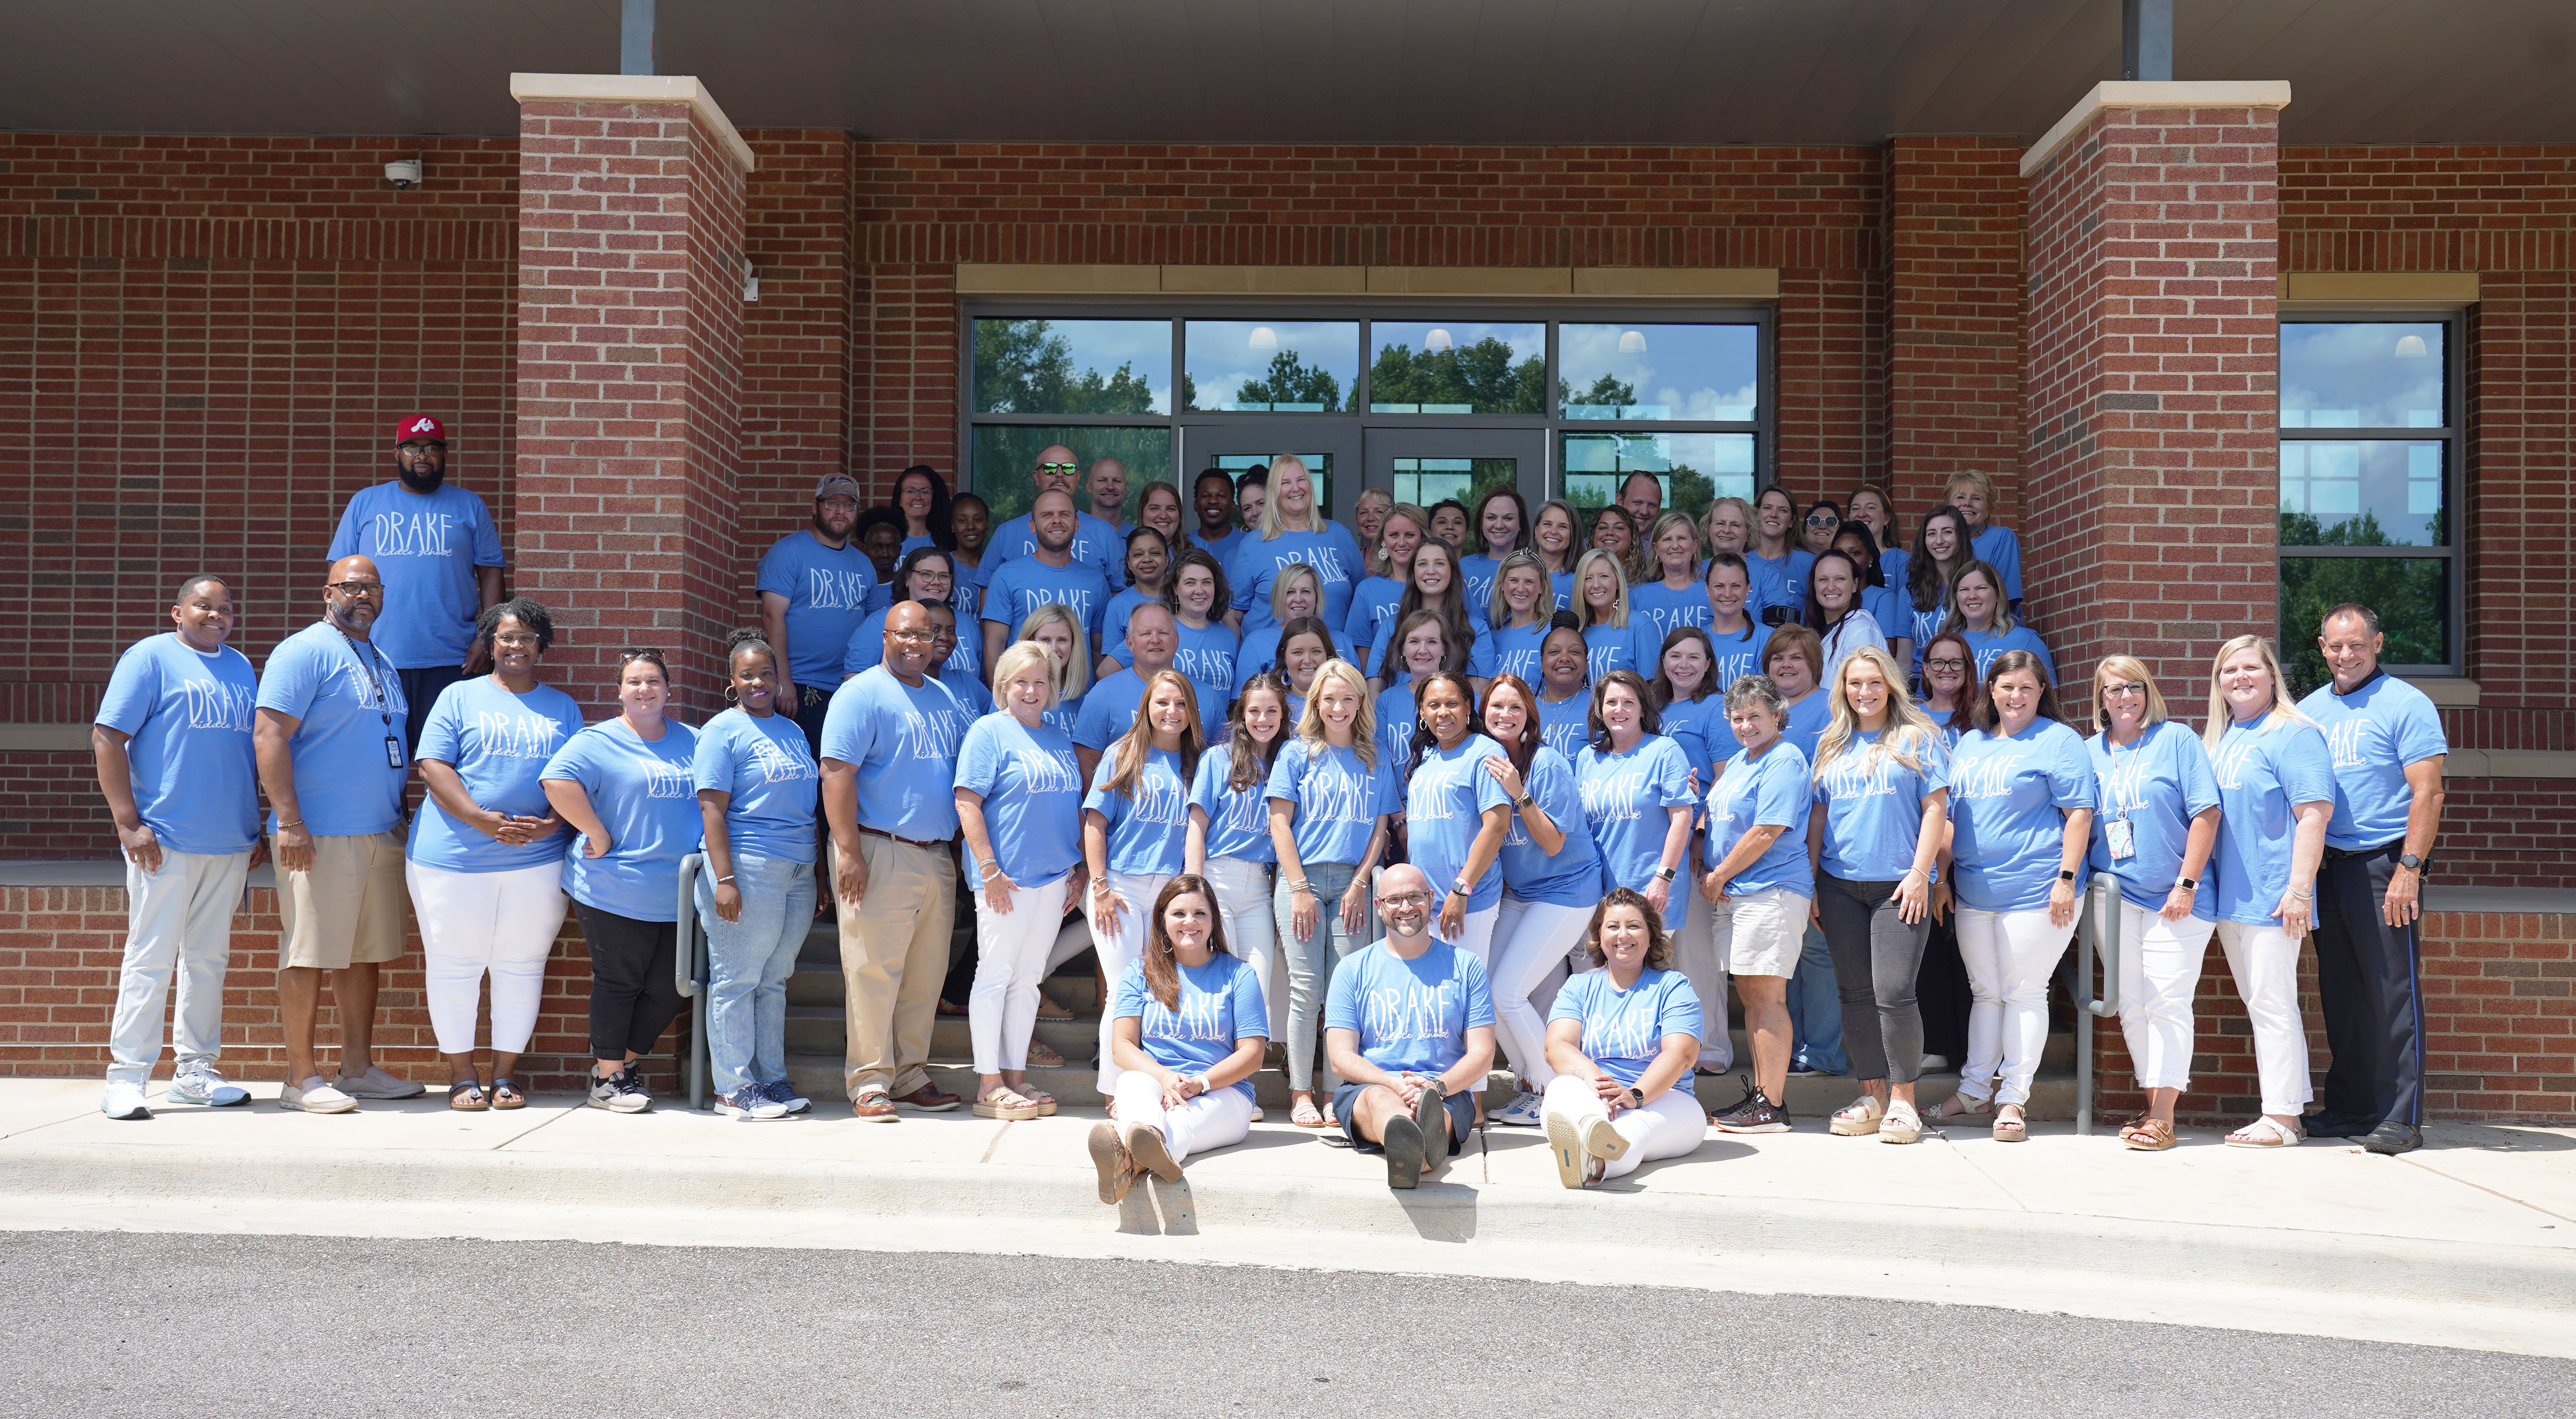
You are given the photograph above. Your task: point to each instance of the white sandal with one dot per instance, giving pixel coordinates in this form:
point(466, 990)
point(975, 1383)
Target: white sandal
point(2263, 1132)
point(1963, 1105)
point(1857, 1119)
point(1901, 1125)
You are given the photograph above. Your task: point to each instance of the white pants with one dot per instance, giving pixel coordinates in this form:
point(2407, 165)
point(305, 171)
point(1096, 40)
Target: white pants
point(1010, 956)
point(1212, 1120)
point(177, 919)
point(1475, 935)
point(2159, 971)
point(2010, 956)
point(1668, 1127)
point(473, 922)
point(1251, 933)
point(1119, 949)
point(1530, 941)
point(1695, 953)
point(2265, 962)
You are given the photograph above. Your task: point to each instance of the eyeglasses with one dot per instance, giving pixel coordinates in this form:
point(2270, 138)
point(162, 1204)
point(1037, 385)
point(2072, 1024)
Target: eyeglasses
point(515, 638)
point(2122, 689)
point(912, 637)
point(356, 588)
point(1405, 899)
point(1945, 664)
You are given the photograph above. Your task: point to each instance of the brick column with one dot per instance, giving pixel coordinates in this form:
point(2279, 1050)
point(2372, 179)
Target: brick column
point(2150, 479)
point(630, 373)
point(1954, 319)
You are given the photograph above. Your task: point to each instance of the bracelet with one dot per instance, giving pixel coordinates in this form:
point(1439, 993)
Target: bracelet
point(1099, 886)
point(2309, 895)
point(724, 879)
point(1300, 886)
point(283, 826)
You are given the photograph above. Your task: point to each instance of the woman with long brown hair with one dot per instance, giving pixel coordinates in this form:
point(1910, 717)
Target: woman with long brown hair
point(1187, 1029)
point(1551, 878)
point(1135, 826)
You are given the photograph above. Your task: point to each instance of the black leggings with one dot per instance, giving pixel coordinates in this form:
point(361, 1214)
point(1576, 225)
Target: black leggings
point(632, 994)
point(1875, 957)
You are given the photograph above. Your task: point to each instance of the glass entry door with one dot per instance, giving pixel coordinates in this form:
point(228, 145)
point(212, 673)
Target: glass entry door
point(1329, 448)
point(1423, 466)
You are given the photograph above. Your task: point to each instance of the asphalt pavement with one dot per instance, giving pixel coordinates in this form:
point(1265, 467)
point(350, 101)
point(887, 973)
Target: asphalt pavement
point(101, 1324)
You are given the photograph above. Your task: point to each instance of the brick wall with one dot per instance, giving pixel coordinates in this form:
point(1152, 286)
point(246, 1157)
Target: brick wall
point(1954, 317)
point(60, 948)
point(2499, 997)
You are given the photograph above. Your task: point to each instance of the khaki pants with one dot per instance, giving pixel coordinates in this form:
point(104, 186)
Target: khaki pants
point(894, 957)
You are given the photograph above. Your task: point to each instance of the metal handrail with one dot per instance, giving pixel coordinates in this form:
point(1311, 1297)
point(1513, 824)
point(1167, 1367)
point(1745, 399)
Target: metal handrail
point(689, 974)
point(2097, 932)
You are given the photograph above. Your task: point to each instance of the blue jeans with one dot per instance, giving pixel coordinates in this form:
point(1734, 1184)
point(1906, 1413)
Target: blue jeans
point(1311, 963)
point(1816, 1008)
point(748, 963)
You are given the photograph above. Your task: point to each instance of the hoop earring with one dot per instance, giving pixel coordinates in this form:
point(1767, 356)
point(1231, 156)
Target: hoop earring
point(732, 695)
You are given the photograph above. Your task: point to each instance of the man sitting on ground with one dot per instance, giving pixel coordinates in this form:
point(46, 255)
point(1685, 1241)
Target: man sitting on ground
point(1409, 1028)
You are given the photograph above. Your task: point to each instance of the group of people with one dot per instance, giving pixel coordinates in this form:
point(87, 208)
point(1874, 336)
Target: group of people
point(1469, 795)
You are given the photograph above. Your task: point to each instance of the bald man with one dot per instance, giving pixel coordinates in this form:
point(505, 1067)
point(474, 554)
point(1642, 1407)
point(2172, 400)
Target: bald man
point(1094, 541)
point(1409, 1027)
point(330, 741)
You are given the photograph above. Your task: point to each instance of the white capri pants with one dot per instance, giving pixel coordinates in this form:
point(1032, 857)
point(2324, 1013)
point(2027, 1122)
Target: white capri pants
point(2159, 971)
point(1212, 1120)
point(473, 922)
point(1120, 949)
point(1010, 957)
point(1475, 934)
point(1530, 942)
point(2010, 957)
point(1667, 1127)
point(1251, 929)
point(1695, 952)
point(2265, 961)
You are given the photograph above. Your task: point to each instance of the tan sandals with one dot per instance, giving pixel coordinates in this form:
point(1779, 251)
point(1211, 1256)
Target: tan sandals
point(2148, 1135)
point(1005, 1103)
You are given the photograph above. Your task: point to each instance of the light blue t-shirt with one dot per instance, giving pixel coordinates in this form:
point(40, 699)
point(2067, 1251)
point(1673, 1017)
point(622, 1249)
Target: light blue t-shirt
point(187, 717)
point(1777, 581)
point(426, 547)
point(2009, 797)
point(1507, 650)
point(1921, 625)
point(1395, 723)
point(348, 749)
point(1373, 606)
point(1113, 621)
point(1220, 1007)
point(1887, 608)
point(2155, 784)
point(1739, 653)
point(1570, 876)
point(763, 763)
point(1025, 584)
point(1259, 651)
point(1807, 722)
point(1987, 644)
point(2263, 771)
point(1096, 543)
point(499, 744)
point(1997, 547)
point(1608, 647)
point(1874, 812)
point(1333, 553)
point(1565, 725)
point(646, 796)
point(1221, 548)
point(2384, 725)
point(1624, 1030)
point(972, 697)
point(1476, 573)
point(1445, 798)
point(829, 591)
point(1111, 707)
point(1624, 801)
point(1148, 826)
point(1891, 568)
point(1238, 819)
point(867, 643)
point(902, 740)
point(1206, 654)
point(1411, 1016)
point(1771, 791)
point(1667, 610)
point(1032, 792)
point(1701, 728)
point(1337, 799)
point(1066, 714)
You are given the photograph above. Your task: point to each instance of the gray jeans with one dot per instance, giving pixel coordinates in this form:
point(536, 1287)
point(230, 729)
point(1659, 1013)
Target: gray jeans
point(1311, 962)
point(1875, 958)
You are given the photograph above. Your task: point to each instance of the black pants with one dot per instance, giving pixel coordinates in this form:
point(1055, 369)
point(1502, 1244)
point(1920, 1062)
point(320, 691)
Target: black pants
point(1941, 993)
point(813, 702)
point(420, 690)
point(2366, 990)
point(1876, 958)
point(633, 997)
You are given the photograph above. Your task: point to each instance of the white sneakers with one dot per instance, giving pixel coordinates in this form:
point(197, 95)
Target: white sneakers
point(377, 1084)
point(315, 1096)
point(123, 1101)
point(200, 1084)
point(1522, 1112)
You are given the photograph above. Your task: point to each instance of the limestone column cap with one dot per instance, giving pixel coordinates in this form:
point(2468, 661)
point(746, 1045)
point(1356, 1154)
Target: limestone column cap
point(2183, 93)
point(634, 88)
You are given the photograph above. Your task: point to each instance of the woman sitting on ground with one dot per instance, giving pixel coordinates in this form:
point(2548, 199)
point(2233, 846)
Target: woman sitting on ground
point(1622, 1040)
point(1187, 1029)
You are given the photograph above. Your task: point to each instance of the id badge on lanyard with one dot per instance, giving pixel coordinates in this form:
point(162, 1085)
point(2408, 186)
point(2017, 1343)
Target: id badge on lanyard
point(2123, 839)
point(393, 752)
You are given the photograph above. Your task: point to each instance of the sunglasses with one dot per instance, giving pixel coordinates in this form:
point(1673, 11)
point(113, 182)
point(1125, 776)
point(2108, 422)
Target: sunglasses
point(1065, 468)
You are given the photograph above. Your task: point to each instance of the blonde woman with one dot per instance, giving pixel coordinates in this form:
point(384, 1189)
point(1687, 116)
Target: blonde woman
point(1295, 594)
point(1368, 520)
point(1059, 630)
point(1293, 529)
point(1882, 792)
point(1973, 494)
point(1728, 527)
point(1330, 794)
point(1601, 610)
point(2152, 841)
point(1135, 828)
point(2276, 791)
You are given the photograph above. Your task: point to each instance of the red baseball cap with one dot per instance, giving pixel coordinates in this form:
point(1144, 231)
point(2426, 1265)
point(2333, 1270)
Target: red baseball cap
point(418, 426)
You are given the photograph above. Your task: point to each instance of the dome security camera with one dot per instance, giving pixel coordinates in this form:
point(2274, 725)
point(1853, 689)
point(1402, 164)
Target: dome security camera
point(403, 174)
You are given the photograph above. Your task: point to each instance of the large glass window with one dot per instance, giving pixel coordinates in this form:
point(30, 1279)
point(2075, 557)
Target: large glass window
point(1073, 367)
point(1457, 367)
point(2370, 483)
point(1006, 460)
point(1694, 469)
point(1703, 372)
point(1272, 367)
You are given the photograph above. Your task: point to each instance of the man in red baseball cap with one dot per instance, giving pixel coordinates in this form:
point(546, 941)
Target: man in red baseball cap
point(439, 553)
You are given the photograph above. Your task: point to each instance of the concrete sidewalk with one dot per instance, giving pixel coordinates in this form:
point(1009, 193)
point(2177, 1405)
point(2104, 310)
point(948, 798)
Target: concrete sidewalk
point(2470, 1242)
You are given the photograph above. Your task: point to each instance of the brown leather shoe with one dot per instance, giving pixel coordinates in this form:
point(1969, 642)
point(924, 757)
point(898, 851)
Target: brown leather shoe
point(873, 1107)
point(928, 1100)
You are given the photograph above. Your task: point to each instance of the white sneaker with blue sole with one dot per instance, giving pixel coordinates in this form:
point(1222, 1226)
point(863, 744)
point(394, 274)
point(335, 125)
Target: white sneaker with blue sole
point(1522, 1112)
point(202, 1085)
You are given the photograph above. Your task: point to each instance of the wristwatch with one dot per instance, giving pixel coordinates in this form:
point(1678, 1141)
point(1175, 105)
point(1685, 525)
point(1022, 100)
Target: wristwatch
point(1524, 801)
point(2411, 862)
point(1636, 1097)
point(1462, 888)
point(1663, 874)
point(2188, 884)
point(2065, 876)
point(1204, 1086)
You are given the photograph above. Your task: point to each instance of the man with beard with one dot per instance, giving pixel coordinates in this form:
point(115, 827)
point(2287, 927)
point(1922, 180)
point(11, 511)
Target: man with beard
point(815, 584)
point(1051, 573)
point(1095, 541)
point(440, 554)
point(329, 740)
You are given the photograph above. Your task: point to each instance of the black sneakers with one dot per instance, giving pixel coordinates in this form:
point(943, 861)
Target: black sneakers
point(1752, 1114)
point(619, 1093)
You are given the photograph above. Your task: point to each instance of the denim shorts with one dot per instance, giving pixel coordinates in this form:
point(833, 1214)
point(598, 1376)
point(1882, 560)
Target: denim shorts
point(1462, 1117)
